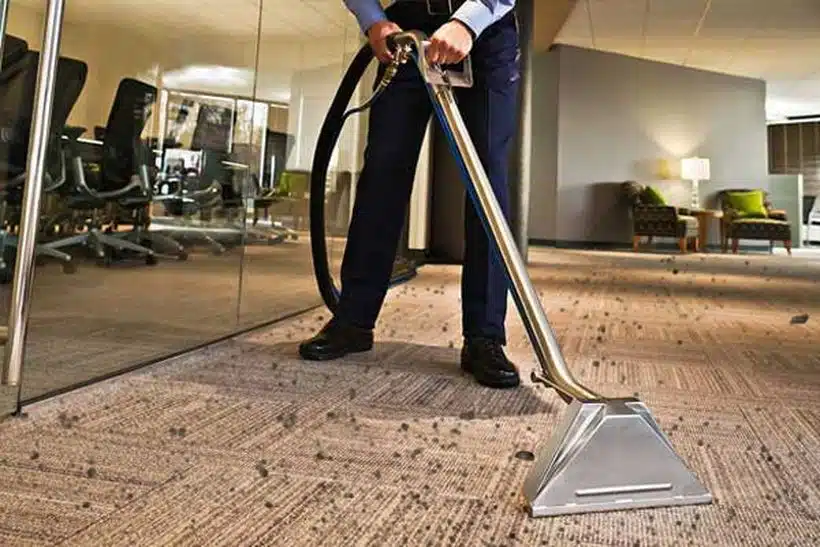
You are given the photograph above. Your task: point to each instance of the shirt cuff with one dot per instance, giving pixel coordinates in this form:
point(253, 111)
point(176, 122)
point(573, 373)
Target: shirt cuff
point(369, 18)
point(475, 15)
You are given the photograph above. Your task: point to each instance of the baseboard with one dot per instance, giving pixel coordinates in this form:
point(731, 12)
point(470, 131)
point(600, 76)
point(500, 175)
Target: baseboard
point(577, 244)
point(623, 246)
point(421, 258)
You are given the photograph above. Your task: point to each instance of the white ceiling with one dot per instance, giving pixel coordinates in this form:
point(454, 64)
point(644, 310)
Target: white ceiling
point(774, 40)
point(297, 19)
point(212, 44)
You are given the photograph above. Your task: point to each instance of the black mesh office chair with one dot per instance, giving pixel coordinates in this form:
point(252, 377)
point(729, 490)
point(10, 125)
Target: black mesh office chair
point(211, 193)
point(14, 49)
point(18, 83)
point(124, 179)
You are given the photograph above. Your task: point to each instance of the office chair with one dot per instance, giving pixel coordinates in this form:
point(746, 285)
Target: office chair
point(123, 180)
point(14, 49)
point(239, 185)
point(210, 194)
point(196, 195)
point(17, 89)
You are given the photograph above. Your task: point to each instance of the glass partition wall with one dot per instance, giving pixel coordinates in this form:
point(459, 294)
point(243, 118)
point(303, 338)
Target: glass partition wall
point(311, 56)
point(174, 203)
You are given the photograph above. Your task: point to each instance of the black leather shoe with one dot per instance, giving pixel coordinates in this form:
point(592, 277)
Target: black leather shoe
point(484, 358)
point(336, 340)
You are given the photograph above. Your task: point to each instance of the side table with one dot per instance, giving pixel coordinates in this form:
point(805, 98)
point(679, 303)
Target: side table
point(705, 217)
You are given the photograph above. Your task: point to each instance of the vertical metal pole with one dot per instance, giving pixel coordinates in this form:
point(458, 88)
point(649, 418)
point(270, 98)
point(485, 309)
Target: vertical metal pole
point(32, 193)
point(4, 16)
point(521, 158)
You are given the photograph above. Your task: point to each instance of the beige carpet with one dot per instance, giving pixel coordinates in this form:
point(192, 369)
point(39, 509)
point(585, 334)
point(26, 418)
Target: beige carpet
point(243, 444)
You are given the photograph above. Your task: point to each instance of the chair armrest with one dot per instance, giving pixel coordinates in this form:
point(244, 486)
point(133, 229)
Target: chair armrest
point(778, 214)
point(49, 183)
point(212, 189)
point(79, 177)
point(730, 214)
point(195, 196)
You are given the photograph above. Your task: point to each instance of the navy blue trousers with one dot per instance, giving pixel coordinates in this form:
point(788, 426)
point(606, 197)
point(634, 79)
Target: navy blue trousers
point(398, 121)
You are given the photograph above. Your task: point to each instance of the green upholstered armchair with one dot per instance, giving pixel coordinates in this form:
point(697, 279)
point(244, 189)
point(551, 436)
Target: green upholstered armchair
point(748, 214)
point(294, 183)
point(652, 217)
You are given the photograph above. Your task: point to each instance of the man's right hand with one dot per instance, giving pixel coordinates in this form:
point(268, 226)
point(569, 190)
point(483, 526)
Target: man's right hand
point(377, 36)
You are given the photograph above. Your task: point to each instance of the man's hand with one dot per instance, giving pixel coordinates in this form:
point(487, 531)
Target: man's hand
point(450, 44)
point(377, 34)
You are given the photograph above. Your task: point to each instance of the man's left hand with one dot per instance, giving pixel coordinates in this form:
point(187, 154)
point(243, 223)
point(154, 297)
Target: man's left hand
point(450, 44)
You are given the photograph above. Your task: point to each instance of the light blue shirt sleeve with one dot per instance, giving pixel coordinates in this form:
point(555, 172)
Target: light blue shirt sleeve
point(477, 15)
point(480, 14)
point(367, 12)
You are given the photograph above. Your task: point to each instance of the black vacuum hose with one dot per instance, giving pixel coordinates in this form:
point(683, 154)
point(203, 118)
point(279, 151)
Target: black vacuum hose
point(325, 144)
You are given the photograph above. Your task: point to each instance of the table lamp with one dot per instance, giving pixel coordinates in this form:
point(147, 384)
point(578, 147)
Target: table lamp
point(695, 169)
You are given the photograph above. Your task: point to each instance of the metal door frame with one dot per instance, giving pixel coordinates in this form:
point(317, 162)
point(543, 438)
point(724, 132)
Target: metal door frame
point(21, 290)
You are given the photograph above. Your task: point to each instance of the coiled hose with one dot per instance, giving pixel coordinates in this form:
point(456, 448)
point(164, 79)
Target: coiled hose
point(325, 144)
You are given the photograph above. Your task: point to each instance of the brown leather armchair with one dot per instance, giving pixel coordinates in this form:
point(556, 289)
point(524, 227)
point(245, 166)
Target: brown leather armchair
point(766, 223)
point(651, 218)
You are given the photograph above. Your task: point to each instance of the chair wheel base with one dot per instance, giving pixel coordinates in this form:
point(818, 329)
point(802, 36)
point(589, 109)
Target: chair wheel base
point(105, 260)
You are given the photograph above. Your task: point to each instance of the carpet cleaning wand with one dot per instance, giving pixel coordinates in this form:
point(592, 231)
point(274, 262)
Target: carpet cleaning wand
point(607, 453)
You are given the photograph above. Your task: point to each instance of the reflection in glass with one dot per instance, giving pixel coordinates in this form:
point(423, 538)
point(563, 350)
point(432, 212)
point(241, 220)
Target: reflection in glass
point(298, 77)
point(179, 175)
point(150, 163)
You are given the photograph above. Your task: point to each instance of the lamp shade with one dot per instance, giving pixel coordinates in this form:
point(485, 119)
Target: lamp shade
point(694, 169)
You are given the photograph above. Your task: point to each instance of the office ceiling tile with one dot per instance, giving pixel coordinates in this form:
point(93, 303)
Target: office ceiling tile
point(778, 40)
point(577, 29)
point(673, 18)
point(675, 9)
point(730, 19)
point(619, 19)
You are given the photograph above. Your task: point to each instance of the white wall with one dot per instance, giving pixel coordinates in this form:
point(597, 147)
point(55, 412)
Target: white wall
point(621, 118)
point(544, 146)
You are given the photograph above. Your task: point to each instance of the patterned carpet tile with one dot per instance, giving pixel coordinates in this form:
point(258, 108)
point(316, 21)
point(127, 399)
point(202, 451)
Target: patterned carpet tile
point(245, 444)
